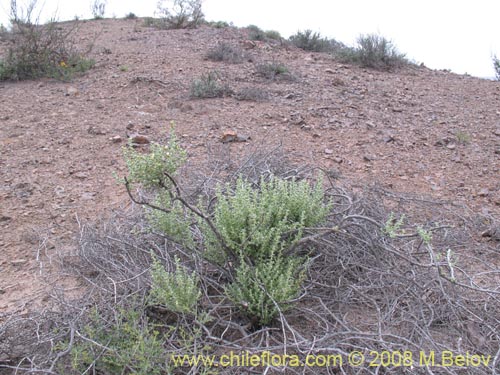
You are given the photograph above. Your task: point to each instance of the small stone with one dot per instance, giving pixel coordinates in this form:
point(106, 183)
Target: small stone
point(451, 146)
point(290, 96)
point(71, 91)
point(116, 139)
point(328, 151)
point(483, 193)
point(229, 136)
point(18, 262)
point(139, 139)
point(497, 132)
point(130, 125)
point(368, 158)
point(388, 138)
point(338, 160)
point(329, 71)
point(316, 135)
point(4, 218)
point(81, 175)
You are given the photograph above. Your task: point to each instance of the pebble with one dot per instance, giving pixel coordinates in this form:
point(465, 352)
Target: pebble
point(483, 193)
point(451, 146)
point(139, 139)
point(71, 91)
point(116, 139)
point(328, 151)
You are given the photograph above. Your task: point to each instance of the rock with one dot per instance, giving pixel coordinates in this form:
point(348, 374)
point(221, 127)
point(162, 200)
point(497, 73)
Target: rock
point(369, 158)
point(116, 139)
point(290, 96)
point(328, 151)
point(483, 192)
point(139, 139)
point(81, 175)
point(388, 138)
point(497, 132)
point(232, 136)
point(4, 218)
point(329, 71)
point(71, 91)
point(451, 146)
point(130, 125)
point(18, 262)
point(338, 160)
point(95, 131)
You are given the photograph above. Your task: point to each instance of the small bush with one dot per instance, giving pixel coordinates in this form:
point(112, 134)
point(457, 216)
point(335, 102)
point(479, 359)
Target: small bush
point(130, 16)
point(374, 51)
point(41, 51)
point(180, 14)
point(254, 221)
point(149, 169)
point(310, 41)
point(496, 67)
point(251, 93)
point(98, 9)
point(265, 290)
point(208, 86)
point(225, 52)
point(255, 33)
point(173, 220)
point(274, 70)
point(129, 341)
point(272, 34)
point(177, 290)
point(219, 24)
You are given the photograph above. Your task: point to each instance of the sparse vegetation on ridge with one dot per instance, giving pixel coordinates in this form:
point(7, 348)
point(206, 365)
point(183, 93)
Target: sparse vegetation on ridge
point(179, 14)
point(41, 50)
point(373, 51)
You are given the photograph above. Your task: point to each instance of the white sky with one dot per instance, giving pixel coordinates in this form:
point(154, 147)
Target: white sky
point(443, 34)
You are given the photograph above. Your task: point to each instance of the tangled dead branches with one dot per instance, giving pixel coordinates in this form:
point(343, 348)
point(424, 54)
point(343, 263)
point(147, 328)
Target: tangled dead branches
point(372, 286)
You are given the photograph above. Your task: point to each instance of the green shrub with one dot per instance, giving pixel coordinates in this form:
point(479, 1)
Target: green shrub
point(175, 224)
point(374, 51)
point(250, 233)
point(208, 86)
point(219, 24)
point(254, 222)
point(260, 225)
point(267, 288)
point(273, 70)
point(311, 41)
point(255, 33)
point(272, 34)
point(496, 67)
point(180, 14)
point(149, 169)
point(129, 344)
point(225, 52)
point(177, 290)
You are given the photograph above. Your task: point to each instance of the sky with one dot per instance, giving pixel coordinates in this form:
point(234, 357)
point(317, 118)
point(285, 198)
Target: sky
point(442, 34)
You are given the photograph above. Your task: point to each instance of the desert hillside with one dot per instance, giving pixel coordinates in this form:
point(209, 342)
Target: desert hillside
point(432, 134)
